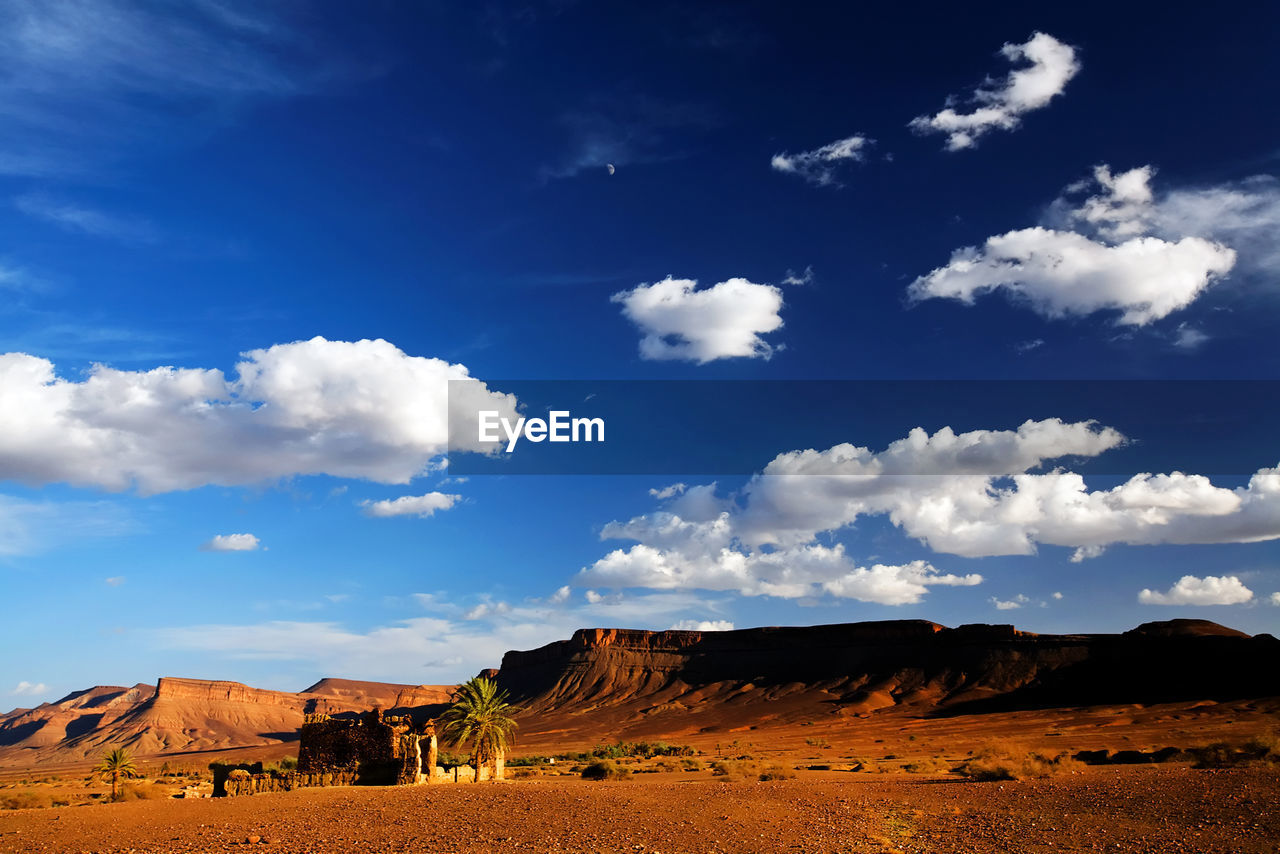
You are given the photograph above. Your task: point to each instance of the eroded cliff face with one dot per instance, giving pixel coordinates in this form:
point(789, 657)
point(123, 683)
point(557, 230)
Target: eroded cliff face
point(860, 668)
point(182, 715)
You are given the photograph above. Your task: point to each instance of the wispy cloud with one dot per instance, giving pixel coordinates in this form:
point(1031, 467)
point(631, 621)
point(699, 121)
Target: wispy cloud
point(83, 78)
point(84, 220)
point(1000, 106)
point(626, 131)
point(30, 689)
point(820, 166)
point(451, 641)
point(31, 527)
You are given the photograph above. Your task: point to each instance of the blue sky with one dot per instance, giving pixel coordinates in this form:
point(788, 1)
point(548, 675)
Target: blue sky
point(245, 247)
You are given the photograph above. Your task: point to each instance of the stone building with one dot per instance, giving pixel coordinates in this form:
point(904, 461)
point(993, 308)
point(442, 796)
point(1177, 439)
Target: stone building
point(371, 750)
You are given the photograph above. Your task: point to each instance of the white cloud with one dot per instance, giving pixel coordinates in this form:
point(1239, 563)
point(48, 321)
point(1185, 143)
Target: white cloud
point(820, 166)
point(1103, 254)
point(1001, 105)
point(1062, 273)
point(1010, 604)
point(30, 689)
point(1188, 337)
point(703, 626)
point(231, 543)
point(1275, 598)
point(1210, 590)
point(361, 409)
point(666, 492)
point(802, 278)
point(1084, 553)
point(115, 581)
point(422, 506)
point(971, 494)
point(724, 321)
point(1057, 596)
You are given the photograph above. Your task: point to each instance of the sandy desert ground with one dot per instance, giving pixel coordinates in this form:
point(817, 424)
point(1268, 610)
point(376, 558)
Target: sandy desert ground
point(1158, 809)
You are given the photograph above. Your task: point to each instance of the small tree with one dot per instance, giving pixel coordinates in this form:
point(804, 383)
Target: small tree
point(480, 714)
point(115, 765)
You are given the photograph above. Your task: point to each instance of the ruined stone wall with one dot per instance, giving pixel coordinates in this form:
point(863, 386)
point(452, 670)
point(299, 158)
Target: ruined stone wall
point(244, 783)
point(380, 750)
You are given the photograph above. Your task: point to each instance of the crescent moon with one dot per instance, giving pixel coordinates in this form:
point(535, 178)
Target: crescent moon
point(610, 168)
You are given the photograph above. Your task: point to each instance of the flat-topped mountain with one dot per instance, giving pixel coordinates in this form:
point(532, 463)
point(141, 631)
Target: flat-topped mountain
point(651, 682)
point(613, 683)
point(187, 715)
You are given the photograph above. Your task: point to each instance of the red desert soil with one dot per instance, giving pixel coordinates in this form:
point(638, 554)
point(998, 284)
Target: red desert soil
point(1137, 809)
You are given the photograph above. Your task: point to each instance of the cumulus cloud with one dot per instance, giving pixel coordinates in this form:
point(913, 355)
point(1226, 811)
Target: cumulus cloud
point(1210, 590)
point(1001, 105)
point(973, 494)
point(232, 543)
point(422, 506)
point(820, 166)
point(703, 626)
point(1113, 251)
point(360, 409)
point(724, 321)
point(115, 581)
point(30, 689)
point(1275, 598)
point(1010, 604)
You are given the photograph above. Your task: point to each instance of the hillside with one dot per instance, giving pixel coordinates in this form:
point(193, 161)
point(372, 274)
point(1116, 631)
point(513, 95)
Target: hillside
point(187, 715)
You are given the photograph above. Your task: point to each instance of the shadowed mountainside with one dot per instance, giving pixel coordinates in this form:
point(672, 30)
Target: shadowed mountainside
point(683, 682)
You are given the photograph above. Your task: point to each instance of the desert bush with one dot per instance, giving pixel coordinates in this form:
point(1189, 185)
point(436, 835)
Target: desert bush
point(730, 770)
point(1000, 761)
point(25, 800)
point(817, 742)
point(926, 766)
point(777, 771)
point(141, 792)
point(604, 769)
point(691, 764)
point(523, 773)
point(1259, 750)
point(666, 766)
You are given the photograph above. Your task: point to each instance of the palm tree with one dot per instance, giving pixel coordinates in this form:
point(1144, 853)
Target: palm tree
point(116, 764)
point(480, 714)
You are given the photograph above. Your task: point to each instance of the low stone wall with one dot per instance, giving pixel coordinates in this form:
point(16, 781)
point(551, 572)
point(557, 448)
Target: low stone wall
point(283, 781)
